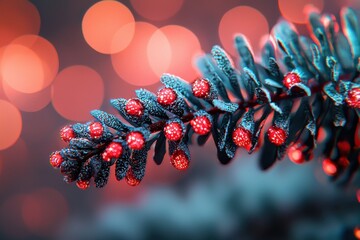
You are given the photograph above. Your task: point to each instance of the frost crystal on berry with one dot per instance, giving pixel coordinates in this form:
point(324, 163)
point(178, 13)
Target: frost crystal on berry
point(135, 140)
point(353, 98)
point(96, 130)
point(201, 88)
point(242, 137)
point(179, 160)
point(201, 125)
point(173, 131)
point(290, 79)
point(166, 96)
point(113, 150)
point(277, 135)
point(67, 133)
point(56, 159)
point(134, 107)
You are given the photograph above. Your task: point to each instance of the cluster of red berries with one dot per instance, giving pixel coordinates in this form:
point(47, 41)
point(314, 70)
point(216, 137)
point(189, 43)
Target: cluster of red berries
point(173, 130)
point(242, 137)
point(135, 140)
point(201, 124)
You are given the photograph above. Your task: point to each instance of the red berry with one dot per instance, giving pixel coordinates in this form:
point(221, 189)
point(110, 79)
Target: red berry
point(329, 167)
point(353, 98)
point(113, 150)
point(173, 131)
point(344, 162)
point(242, 137)
point(277, 135)
point(96, 130)
point(201, 125)
point(67, 133)
point(131, 179)
point(201, 88)
point(166, 96)
point(296, 155)
point(83, 184)
point(344, 147)
point(290, 79)
point(56, 159)
point(134, 107)
point(179, 160)
point(357, 229)
point(135, 140)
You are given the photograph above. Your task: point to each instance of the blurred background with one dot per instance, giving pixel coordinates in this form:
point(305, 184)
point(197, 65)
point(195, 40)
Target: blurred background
point(61, 59)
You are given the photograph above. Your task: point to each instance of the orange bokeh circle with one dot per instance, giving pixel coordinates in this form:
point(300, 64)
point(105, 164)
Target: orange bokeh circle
point(152, 11)
point(132, 64)
point(242, 20)
point(45, 51)
point(105, 26)
point(295, 11)
point(76, 91)
point(27, 102)
point(17, 17)
point(10, 124)
point(185, 47)
point(22, 68)
point(159, 52)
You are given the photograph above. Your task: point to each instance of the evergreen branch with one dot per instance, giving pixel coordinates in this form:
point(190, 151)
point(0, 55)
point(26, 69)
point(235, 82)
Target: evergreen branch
point(303, 85)
point(158, 126)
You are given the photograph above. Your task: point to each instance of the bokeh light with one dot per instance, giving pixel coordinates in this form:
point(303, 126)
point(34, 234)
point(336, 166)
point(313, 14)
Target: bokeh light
point(152, 10)
point(159, 60)
point(17, 17)
point(185, 48)
point(27, 102)
point(132, 64)
point(45, 51)
point(357, 232)
point(242, 20)
point(106, 27)
point(10, 124)
point(76, 91)
point(295, 11)
point(43, 211)
point(22, 69)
